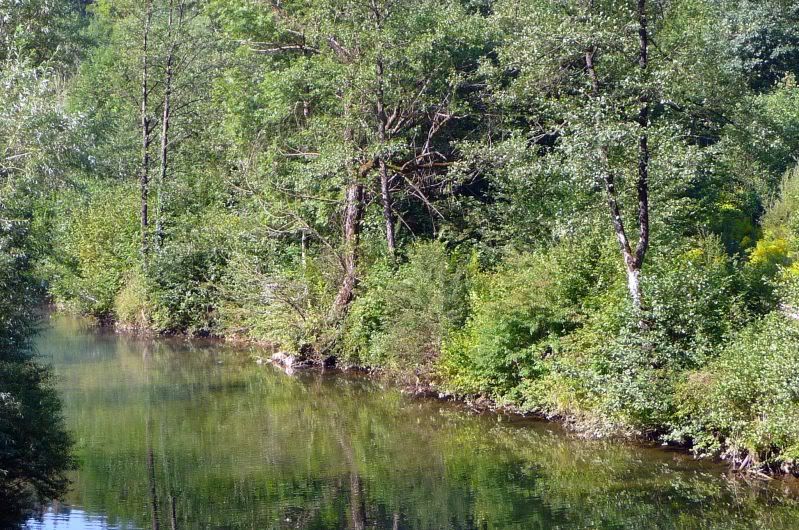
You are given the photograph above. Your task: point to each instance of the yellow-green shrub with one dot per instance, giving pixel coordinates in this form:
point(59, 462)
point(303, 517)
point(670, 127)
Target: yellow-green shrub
point(96, 246)
point(132, 307)
point(747, 401)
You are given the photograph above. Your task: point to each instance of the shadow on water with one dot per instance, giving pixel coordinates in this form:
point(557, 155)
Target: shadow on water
point(177, 435)
point(34, 443)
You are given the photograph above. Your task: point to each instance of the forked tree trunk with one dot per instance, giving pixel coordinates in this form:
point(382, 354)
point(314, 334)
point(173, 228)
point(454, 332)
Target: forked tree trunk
point(643, 140)
point(633, 259)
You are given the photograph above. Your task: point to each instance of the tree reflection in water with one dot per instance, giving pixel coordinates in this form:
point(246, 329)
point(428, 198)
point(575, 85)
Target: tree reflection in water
point(228, 444)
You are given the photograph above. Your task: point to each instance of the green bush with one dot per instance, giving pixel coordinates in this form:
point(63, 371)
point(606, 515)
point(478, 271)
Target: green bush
point(282, 305)
point(693, 306)
point(521, 313)
point(774, 255)
point(694, 302)
point(554, 332)
point(132, 306)
point(747, 401)
point(784, 210)
point(95, 246)
point(402, 316)
point(184, 281)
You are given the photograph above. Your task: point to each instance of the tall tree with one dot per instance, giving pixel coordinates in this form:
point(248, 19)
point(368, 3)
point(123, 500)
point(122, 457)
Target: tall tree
point(596, 115)
point(633, 259)
point(173, 35)
point(146, 106)
point(146, 127)
point(400, 71)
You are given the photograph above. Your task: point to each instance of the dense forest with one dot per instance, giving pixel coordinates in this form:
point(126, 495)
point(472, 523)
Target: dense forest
point(583, 209)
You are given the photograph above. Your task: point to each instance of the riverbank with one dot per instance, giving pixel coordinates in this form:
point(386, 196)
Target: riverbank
point(742, 465)
point(586, 424)
point(237, 445)
point(695, 414)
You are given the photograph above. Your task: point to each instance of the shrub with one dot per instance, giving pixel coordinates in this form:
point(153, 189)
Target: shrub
point(95, 247)
point(519, 315)
point(402, 316)
point(283, 306)
point(775, 252)
point(694, 304)
point(747, 401)
point(132, 305)
point(784, 210)
point(184, 280)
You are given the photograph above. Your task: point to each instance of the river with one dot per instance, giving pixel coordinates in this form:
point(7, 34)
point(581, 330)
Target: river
point(178, 434)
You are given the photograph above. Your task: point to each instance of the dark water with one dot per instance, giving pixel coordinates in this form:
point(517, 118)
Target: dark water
point(199, 436)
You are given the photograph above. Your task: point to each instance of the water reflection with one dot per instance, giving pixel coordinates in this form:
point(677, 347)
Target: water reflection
point(176, 435)
point(65, 518)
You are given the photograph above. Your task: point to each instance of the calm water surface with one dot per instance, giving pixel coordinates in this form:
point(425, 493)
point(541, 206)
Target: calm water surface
point(195, 435)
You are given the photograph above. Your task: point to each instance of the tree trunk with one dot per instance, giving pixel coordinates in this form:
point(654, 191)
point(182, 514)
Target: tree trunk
point(144, 178)
point(631, 264)
point(388, 216)
point(643, 140)
point(385, 191)
point(382, 135)
point(165, 119)
point(633, 260)
point(634, 286)
point(353, 212)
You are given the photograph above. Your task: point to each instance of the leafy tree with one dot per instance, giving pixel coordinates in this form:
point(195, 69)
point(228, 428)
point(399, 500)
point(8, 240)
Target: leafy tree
point(567, 206)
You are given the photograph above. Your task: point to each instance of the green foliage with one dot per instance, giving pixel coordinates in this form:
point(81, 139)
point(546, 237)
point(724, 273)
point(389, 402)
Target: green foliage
point(746, 402)
point(267, 299)
point(695, 302)
point(773, 258)
point(97, 243)
point(771, 137)
point(551, 332)
point(694, 306)
point(520, 313)
point(473, 129)
point(764, 38)
point(34, 445)
point(42, 30)
point(184, 278)
point(784, 211)
point(405, 314)
point(133, 308)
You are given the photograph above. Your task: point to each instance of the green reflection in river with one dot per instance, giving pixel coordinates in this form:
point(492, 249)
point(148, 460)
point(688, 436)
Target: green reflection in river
point(204, 438)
